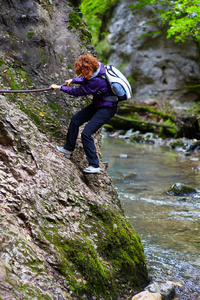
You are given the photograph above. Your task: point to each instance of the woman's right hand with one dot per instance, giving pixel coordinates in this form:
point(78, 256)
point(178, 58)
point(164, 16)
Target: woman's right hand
point(55, 87)
point(68, 82)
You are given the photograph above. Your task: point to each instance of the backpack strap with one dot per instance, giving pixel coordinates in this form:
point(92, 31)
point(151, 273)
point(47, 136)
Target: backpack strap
point(111, 98)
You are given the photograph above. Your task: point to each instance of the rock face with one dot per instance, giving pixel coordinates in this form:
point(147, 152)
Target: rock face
point(153, 62)
point(36, 36)
point(63, 234)
point(40, 41)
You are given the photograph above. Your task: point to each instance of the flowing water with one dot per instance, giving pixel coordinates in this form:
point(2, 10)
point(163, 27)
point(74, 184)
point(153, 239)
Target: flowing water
point(169, 226)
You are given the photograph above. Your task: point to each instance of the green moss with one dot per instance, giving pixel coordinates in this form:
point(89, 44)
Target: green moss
point(168, 132)
point(82, 254)
point(119, 123)
point(30, 33)
point(133, 116)
point(145, 109)
point(177, 143)
point(85, 35)
point(35, 118)
point(44, 59)
point(44, 115)
point(108, 127)
point(15, 78)
point(30, 291)
point(76, 22)
point(104, 269)
point(179, 189)
point(53, 106)
point(122, 248)
point(35, 266)
point(2, 62)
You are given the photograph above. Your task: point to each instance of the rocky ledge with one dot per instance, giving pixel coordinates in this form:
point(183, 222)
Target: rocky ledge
point(63, 233)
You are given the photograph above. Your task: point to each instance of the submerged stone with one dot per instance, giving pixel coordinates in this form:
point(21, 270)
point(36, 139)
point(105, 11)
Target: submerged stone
point(179, 189)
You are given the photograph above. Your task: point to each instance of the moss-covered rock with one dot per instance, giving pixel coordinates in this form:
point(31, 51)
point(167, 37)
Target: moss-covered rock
point(168, 132)
point(179, 189)
point(64, 231)
point(100, 266)
point(77, 23)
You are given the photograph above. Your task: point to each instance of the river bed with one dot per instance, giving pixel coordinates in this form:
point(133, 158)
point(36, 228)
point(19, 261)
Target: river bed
point(169, 226)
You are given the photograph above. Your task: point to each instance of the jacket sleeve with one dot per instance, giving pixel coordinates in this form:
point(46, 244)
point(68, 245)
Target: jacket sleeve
point(78, 80)
point(87, 88)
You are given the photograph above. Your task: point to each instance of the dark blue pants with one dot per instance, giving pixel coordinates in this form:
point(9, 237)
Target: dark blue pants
point(96, 118)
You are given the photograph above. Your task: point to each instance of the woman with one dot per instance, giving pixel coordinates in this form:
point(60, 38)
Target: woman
point(96, 114)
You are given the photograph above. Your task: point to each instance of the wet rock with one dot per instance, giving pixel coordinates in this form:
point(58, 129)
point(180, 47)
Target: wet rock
point(195, 146)
point(165, 289)
point(187, 126)
point(147, 296)
point(179, 189)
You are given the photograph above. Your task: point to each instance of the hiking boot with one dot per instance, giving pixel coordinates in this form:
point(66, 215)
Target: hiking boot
point(92, 170)
point(66, 152)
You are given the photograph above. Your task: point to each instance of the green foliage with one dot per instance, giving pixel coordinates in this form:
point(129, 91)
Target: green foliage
point(103, 49)
point(182, 17)
point(131, 79)
point(184, 20)
point(93, 11)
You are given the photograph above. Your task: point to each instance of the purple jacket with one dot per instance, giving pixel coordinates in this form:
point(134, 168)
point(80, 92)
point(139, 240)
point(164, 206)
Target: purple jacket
point(96, 85)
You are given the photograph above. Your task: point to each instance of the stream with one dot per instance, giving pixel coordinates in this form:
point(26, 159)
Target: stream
point(169, 226)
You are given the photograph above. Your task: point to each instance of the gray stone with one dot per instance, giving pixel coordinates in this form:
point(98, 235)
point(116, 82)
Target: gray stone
point(155, 63)
point(166, 289)
point(180, 189)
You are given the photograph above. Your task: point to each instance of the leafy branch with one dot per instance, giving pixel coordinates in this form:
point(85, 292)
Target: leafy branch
point(182, 16)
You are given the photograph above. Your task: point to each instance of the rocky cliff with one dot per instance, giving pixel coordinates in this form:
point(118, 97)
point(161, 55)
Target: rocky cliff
point(63, 234)
point(152, 62)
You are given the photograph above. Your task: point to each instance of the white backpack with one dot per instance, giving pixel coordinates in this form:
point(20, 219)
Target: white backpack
point(119, 84)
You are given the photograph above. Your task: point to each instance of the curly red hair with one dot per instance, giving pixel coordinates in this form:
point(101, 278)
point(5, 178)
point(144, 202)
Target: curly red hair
point(86, 62)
